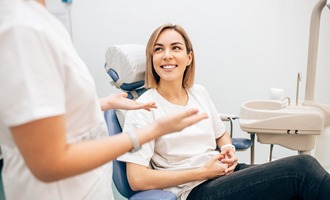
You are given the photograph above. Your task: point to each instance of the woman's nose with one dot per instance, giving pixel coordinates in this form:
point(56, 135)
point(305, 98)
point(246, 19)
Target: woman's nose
point(167, 54)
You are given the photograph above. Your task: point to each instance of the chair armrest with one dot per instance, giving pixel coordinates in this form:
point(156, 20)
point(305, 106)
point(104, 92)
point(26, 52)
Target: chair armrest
point(154, 195)
point(226, 117)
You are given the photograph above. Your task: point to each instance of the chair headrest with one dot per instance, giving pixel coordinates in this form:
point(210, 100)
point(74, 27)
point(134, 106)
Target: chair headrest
point(126, 65)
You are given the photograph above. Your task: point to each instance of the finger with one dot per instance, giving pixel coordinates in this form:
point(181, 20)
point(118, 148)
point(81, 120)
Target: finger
point(152, 105)
point(231, 168)
point(188, 113)
point(219, 157)
point(230, 160)
point(192, 114)
point(148, 106)
point(195, 118)
point(124, 94)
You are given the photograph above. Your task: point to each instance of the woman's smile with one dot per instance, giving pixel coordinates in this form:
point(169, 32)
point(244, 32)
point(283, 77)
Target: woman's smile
point(168, 68)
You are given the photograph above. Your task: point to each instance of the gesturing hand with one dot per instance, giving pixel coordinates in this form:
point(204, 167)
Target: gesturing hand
point(179, 121)
point(120, 101)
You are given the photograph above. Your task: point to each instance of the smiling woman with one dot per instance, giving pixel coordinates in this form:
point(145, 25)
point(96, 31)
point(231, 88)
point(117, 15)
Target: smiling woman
point(170, 61)
point(162, 55)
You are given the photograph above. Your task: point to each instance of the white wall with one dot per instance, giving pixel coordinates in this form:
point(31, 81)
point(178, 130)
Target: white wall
point(242, 47)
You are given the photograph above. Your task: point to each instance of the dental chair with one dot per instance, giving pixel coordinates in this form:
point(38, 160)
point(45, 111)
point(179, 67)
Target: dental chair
point(128, 57)
point(125, 64)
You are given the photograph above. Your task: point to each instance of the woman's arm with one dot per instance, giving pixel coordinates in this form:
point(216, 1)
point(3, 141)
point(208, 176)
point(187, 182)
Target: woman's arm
point(143, 178)
point(43, 145)
point(223, 140)
point(120, 101)
point(228, 152)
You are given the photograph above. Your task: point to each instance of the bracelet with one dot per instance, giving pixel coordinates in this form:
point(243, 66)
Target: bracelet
point(135, 141)
point(227, 145)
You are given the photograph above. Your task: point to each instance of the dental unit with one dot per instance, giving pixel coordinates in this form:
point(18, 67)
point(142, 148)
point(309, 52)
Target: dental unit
point(294, 126)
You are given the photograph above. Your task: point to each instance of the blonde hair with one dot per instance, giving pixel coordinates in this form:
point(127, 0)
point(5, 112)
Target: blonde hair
point(151, 77)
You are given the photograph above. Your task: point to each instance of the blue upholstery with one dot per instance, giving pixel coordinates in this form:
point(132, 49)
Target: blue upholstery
point(241, 144)
point(125, 86)
point(133, 90)
point(119, 170)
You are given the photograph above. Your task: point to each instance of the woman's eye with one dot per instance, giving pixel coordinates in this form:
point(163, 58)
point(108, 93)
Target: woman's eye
point(158, 49)
point(176, 48)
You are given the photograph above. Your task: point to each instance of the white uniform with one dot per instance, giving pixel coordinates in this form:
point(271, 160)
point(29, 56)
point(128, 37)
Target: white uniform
point(41, 75)
point(189, 149)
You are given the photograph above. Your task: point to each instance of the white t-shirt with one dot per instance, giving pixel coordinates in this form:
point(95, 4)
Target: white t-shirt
point(188, 149)
point(41, 75)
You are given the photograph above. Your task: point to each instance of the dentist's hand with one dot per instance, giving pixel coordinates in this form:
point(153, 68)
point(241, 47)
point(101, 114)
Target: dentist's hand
point(120, 101)
point(178, 121)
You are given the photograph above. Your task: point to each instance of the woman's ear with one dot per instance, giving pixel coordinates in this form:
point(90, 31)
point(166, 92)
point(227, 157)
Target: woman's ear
point(190, 57)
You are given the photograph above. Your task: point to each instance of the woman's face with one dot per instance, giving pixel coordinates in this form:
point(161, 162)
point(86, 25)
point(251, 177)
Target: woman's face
point(170, 57)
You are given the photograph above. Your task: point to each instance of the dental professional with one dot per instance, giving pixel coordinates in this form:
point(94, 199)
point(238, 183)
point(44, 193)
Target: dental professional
point(187, 162)
point(53, 135)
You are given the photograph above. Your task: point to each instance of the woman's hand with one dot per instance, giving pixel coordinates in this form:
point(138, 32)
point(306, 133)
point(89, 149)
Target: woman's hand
point(229, 158)
point(120, 101)
point(214, 168)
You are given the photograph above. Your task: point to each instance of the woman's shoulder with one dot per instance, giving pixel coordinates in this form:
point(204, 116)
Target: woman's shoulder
point(147, 96)
point(197, 88)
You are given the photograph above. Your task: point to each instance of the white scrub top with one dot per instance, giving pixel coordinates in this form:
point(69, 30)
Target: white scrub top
point(41, 75)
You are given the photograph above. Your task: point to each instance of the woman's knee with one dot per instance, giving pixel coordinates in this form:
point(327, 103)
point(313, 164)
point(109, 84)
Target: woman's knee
point(304, 163)
point(305, 159)
point(299, 162)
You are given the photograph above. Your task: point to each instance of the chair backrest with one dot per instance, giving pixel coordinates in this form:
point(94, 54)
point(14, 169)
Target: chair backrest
point(119, 168)
point(126, 64)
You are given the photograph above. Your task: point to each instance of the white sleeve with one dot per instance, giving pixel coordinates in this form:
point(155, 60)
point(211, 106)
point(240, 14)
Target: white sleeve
point(218, 126)
point(31, 85)
point(137, 119)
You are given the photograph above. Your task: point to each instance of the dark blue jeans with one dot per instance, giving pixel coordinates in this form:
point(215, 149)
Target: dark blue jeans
point(296, 177)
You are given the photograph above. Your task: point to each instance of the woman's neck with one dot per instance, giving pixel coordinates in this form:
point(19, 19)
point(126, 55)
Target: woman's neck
point(175, 94)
